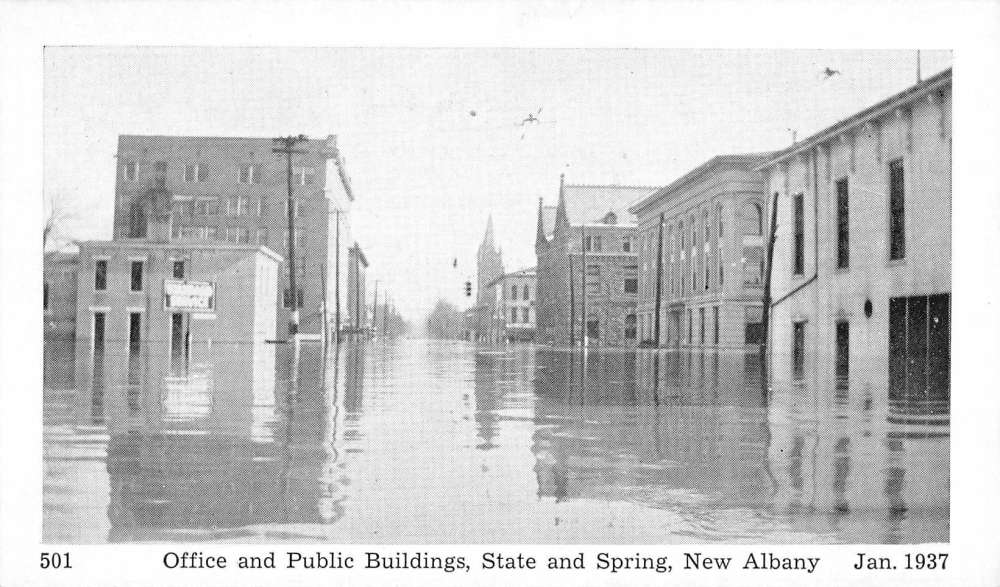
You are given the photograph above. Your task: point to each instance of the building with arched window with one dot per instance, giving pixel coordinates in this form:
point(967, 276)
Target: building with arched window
point(710, 272)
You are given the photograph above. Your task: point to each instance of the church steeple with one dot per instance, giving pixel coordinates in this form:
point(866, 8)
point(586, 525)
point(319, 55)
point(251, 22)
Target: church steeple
point(488, 237)
point(540, 240)
point(561, 217)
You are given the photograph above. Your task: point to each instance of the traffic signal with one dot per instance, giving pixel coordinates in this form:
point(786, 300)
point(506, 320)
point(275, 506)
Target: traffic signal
point(468, 289)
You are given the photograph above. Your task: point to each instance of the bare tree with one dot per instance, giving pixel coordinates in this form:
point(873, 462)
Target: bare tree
point(56, 218)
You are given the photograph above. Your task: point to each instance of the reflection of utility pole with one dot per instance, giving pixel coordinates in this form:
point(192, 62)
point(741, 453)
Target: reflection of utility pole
point(766, 306)
point(583, 293)
point(287, 147)
point(572, 302)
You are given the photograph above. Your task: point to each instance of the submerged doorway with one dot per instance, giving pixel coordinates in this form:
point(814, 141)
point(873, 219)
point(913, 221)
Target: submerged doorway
point(920, 348)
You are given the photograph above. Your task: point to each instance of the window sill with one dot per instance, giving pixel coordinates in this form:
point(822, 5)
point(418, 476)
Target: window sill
point(895, 262)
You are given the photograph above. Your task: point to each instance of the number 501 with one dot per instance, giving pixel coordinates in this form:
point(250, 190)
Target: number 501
point(55, 560)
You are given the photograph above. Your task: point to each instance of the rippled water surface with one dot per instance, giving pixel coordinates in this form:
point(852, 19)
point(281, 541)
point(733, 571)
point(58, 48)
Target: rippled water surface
point(420, 441)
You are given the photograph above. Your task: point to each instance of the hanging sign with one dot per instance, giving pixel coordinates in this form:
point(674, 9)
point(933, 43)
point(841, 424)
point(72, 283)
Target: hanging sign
point(188, 296)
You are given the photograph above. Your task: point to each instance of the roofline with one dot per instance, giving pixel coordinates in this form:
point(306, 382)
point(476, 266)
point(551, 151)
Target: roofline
point(690, 176)
point(611, 185)
point(877, 110)
point(180, 245)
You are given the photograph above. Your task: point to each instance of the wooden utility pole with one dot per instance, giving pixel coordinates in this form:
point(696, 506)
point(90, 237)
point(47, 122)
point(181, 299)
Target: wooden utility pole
point(766, 308)
point(659, 285)
point(583, 287)
point(572, 304)
point(336, 279)
point(324, 325)
point(288, 149)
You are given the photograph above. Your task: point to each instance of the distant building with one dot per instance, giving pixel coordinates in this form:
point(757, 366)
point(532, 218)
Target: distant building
point(862, 264)
point(141, 302)
point(514, 306)
point(234, 190)
point(489, 267)
point(593, 235)
point(711, 273)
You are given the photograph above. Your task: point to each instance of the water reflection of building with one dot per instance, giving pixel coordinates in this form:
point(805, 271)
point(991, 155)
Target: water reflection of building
point(225, 446)
point(862, 267)
point(690, 430)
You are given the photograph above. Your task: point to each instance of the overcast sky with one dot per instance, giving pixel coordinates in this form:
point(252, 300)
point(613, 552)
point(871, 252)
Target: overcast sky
point(425, 171)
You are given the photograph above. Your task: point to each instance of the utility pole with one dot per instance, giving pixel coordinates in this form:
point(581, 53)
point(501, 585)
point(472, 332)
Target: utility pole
point(766, 309)
point(659, 284)
point(287, 147)
point(375, 311)
point(583, 281)
point(572, 304)
point(336, 279)
point(918, 66)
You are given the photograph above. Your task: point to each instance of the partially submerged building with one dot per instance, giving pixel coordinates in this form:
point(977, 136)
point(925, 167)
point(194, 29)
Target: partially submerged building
point(709, 278)
point(587, 271)
point(862, 264)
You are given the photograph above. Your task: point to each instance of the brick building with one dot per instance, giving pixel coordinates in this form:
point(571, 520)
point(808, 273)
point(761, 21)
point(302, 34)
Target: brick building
point(710, 276)
point(234, 189)
point(587, 268)
point(862, 263)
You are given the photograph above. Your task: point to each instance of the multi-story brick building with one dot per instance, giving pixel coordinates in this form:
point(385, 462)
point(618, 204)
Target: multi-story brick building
point(234, 189)
point(862, 263)
point(514, 306)
point(710, 274)
point(587, 269)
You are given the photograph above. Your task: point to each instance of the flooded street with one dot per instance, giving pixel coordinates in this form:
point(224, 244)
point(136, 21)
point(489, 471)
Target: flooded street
point(418, 441)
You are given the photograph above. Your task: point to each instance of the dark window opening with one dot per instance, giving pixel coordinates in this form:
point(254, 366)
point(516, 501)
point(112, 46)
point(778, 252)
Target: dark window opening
point(843, 226)
point(287, 298)
point(45, 295)
point(631, 285)
point(920, 349)
point(630, 327)
point(798, 349)
point(135, 282)
point(101, 275)
point(178, 269)
point(701, 326)
point(715, 324)
point(799, 253)
point(134, 338)
point(897, 211)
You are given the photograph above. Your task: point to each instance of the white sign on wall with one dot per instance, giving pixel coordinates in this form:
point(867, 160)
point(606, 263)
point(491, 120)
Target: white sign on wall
point(180, 295)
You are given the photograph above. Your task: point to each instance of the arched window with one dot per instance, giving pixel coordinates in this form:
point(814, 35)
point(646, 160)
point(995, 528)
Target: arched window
point(751, 219)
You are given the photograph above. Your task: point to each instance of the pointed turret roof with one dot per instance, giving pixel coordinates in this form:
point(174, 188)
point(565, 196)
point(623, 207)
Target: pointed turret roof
point(561, 217)
point(540, 229)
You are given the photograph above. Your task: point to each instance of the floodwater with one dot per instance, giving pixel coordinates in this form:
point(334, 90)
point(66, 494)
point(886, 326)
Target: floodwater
point(416, 441)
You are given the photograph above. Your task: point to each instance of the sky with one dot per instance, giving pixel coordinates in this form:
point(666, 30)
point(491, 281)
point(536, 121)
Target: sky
point(432, 137)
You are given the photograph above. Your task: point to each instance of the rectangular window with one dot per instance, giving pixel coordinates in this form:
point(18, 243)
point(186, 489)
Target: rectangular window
point(211, 233)
point(100, 275)
point(690, 327)
point(45, 295)
point(527, 292)
point(920, 349)
point(630, 327)
point(513, 315)
point(262, 236)
point(195, 172)
point(513, 292)
point(897, 211)
point(701, 325)
point(178, 269)
point(207, 207)
point(631, 285)
point(299, 208)
point(843, 348)
point(303, 175)
point(134, 341)
point(843, 226)
point(799, 244)
point(244, 235)
point(287, 301)
point(526, 315)
point(251, 173)
point(161, 167)
point(798, 349)
point(135, 283)
point(715, 324)
point(130, 171)
point(586, 243)
point(178, 344)
point(597, 244)
point(627, 245)
point(192, 232)
point(98, 344)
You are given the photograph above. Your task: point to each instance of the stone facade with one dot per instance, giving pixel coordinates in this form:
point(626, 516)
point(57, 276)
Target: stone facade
point(713, 253)
point(587, 267)
point(862, 264)
point(234, 189)
point(514, 307)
